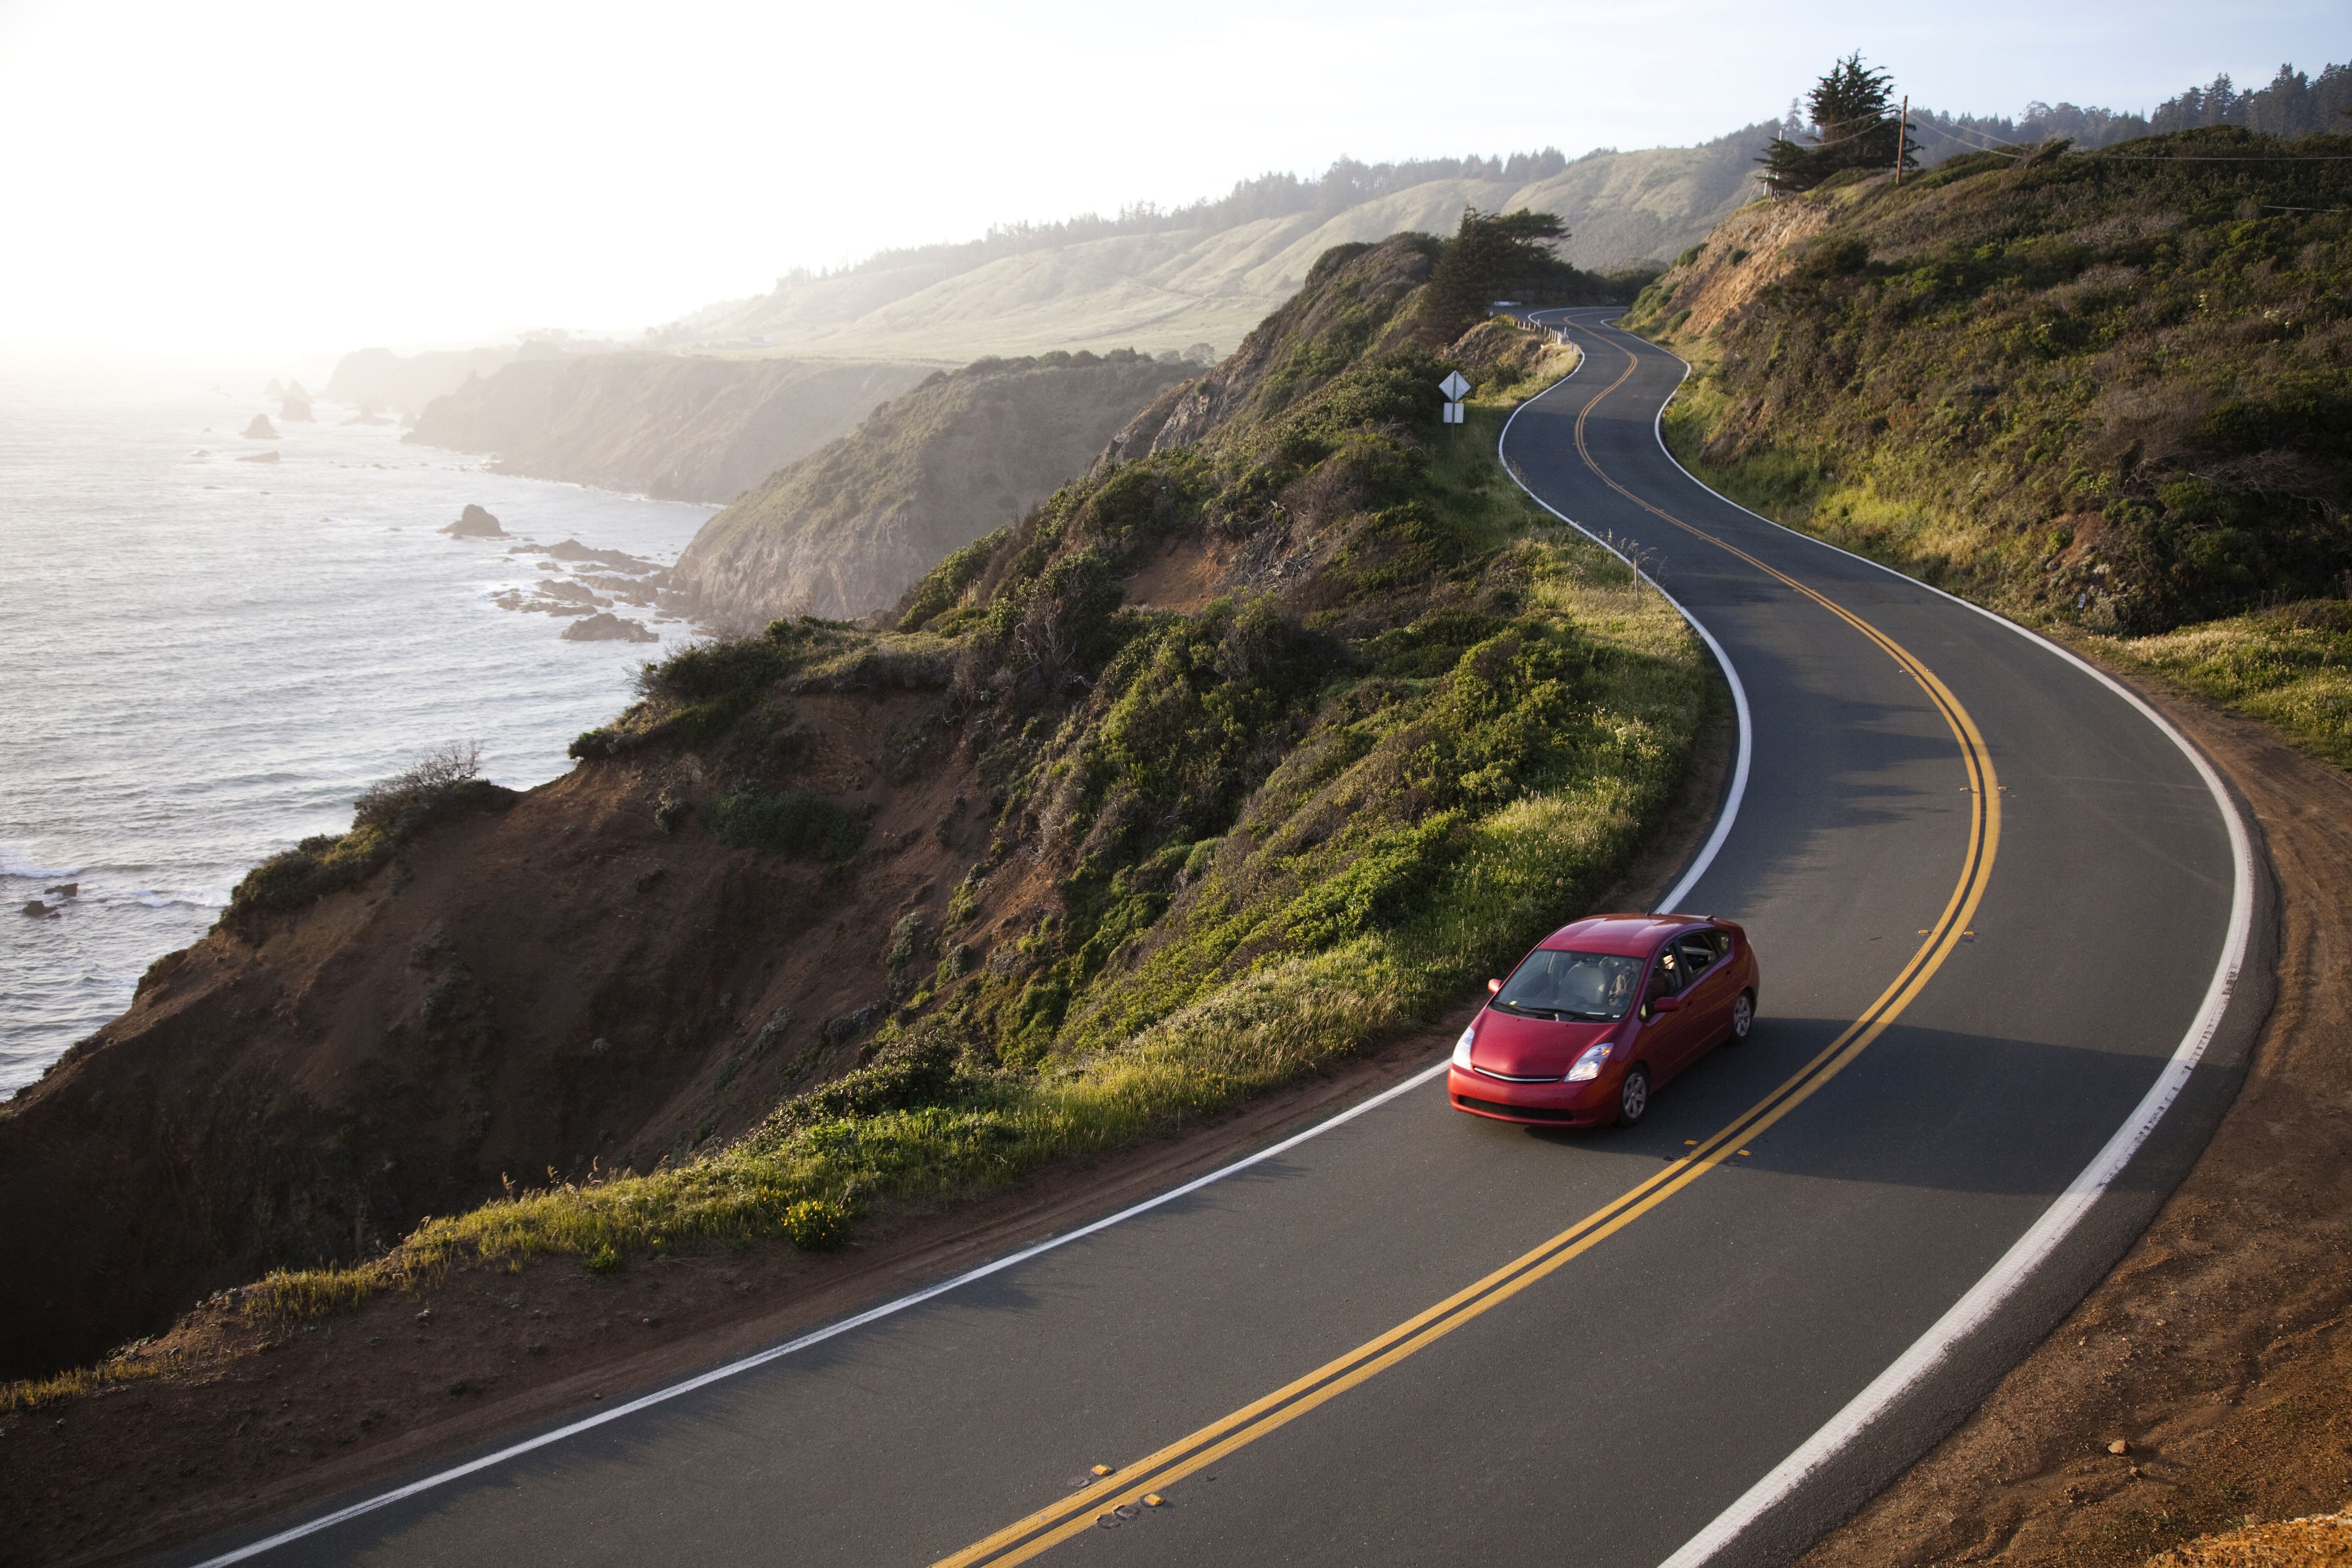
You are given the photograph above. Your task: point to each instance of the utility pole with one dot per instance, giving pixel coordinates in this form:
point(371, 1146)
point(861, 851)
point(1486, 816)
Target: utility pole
point(1902, 129)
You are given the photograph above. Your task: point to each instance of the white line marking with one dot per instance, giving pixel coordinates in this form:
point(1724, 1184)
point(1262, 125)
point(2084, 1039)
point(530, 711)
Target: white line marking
point(1706, 853)
point(776, 1353)
point(2032, 1249)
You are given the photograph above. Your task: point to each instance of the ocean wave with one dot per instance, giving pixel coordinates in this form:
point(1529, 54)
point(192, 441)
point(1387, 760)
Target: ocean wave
point(15, 863)
point(205, 900)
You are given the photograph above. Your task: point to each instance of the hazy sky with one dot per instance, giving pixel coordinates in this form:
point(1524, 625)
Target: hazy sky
point(263, 178)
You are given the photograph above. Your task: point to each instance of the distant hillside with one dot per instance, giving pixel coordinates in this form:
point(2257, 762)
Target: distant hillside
point(842, 532)
point(686, 428)
point(1210, 273)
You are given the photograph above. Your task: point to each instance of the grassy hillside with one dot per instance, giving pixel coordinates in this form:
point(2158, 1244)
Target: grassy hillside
point(1384, 727)
point(1210, 273)
point(2110, 392)
point(844, 530)
point(685, 428)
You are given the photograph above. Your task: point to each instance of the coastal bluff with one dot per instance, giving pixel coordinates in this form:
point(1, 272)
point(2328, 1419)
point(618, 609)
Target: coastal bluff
point(674, 426)
point(842, 532)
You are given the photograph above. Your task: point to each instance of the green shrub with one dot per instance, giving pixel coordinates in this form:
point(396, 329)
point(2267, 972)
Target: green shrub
point(785, 822)
point(440, 785)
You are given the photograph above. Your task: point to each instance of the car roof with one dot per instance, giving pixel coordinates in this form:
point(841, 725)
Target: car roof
point(1634, 935)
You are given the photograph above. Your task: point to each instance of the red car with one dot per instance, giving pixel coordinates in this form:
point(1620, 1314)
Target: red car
point(1599, 1015)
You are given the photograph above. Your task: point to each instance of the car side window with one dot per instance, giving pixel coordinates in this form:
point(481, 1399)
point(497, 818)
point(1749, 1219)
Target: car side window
point(1697, 950)
point(1667, 975)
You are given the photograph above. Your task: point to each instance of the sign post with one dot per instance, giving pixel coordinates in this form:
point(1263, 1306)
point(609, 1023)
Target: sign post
point(1455, 388)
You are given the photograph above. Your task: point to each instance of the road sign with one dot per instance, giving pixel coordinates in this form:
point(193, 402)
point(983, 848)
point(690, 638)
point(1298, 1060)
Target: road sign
point(1454, 387)
point(1453, 413)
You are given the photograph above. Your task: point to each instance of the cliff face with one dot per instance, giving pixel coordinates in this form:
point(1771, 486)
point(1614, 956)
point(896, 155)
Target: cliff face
point(528, 985)
point(661, 425)
point(379, 378)
point(842, 532)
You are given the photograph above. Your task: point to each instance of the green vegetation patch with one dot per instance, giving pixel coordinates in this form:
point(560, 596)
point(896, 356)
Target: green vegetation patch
point(785, 822)
point(2291, 665)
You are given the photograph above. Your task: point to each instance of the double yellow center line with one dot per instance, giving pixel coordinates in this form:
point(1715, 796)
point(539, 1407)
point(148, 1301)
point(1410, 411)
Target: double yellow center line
point(1084, 1509)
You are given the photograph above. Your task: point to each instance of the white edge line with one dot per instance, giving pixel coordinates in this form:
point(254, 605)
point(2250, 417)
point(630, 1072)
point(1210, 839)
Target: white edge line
point(1723, 660)
point(775, 1352)
point(2030, 1251)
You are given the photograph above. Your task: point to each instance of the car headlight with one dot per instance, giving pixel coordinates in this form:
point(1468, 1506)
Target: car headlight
point(1588, 1066)
point(1462, 1048)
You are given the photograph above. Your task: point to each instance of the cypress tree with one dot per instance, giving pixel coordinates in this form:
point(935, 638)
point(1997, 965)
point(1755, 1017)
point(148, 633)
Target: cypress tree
point(1853, 126)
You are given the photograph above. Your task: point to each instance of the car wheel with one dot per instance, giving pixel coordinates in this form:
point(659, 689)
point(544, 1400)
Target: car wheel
point(1743, 1018)
point(1633, 1096)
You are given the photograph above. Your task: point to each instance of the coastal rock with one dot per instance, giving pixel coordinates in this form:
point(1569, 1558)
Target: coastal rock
point(261, 429)
point(296, 407)
point(41, 912)
point(260, 458)
point(475, 523)
point(367, 416)
point(605, 627)
point(65, 890)
point(276, 388)
point(572, 550)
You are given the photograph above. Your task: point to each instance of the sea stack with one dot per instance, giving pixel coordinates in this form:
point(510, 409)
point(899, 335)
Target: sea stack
point(475, 523)
point(296, 405)
point(606, 626)
point(261, 429)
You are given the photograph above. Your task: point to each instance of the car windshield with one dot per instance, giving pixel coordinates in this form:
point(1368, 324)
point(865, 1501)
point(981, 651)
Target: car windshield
point(1580, 986)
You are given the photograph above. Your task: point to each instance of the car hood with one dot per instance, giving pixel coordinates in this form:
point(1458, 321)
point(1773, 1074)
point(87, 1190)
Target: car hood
point(1514, 1047)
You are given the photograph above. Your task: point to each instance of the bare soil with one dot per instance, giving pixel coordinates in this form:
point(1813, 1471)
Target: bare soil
point(248, 1417)
point(2219, 1354)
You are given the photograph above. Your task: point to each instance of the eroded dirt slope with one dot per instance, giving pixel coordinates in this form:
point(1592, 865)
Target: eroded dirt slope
point(552, 986)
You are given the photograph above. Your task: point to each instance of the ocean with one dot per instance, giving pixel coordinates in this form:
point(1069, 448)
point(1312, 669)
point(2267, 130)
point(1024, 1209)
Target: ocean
point(206, 659)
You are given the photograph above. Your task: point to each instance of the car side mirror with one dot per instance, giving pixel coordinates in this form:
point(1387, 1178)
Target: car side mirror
point(1665, 1004)
point(1494, 988)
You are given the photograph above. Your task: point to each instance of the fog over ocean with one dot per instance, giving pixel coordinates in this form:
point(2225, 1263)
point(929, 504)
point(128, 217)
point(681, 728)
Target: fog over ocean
point(206, 659)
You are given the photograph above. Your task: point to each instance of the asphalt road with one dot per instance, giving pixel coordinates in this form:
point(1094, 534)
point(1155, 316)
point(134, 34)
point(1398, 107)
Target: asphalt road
point(1992, 900)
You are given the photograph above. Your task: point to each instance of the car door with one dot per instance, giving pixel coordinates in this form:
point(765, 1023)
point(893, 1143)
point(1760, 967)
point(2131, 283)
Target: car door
point(1666, 1041)
point(1710, 988)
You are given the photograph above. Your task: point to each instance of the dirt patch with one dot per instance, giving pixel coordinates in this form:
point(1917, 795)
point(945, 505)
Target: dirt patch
point(2219, 1352)
point(247, 1418)
point(1747, 250)
point(1183, 576)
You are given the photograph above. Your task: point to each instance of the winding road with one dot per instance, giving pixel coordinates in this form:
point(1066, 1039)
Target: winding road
point(2014, 938)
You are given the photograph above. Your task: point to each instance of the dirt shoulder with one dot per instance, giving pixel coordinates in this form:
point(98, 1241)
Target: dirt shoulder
point(2220, 1350)
point(245, 1418)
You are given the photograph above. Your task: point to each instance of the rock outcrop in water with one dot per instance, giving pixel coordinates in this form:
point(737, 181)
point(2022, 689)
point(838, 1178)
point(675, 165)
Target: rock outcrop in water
point(475, 523)
point(606, 626)
point(261, 429)
point(658, 425)
point(842, 532)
